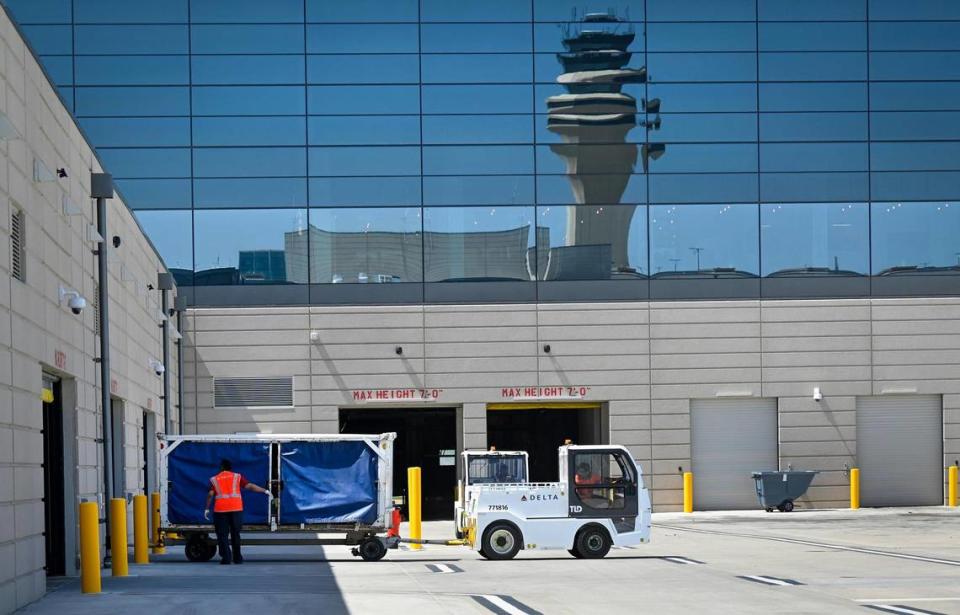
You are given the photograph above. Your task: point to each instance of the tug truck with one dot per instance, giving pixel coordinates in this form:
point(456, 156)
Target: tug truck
point(478, 468)
point(599, 502)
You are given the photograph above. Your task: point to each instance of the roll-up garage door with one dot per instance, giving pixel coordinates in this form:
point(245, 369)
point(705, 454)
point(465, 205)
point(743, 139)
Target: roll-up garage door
point(900, 450)
point(730, 438)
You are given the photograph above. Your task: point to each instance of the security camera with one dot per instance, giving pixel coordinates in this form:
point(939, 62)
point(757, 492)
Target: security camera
point(75, 300)
point(157, 367)
point(817, 395)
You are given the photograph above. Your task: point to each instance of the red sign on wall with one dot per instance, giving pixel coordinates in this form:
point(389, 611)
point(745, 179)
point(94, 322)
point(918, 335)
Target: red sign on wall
point(60, 359)
point(396, 394)
point(551, 392)
point(114, 386)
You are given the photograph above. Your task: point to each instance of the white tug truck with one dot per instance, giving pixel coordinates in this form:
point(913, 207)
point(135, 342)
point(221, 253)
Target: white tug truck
point(599, 502)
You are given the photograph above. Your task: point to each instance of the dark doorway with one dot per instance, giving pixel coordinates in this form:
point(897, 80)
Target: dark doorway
point(540, 431)
point(54, 531)
point(426, 437)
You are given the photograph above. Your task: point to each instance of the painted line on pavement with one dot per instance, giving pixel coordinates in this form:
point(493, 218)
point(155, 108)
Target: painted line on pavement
point(823, 545)
point(886, 600)
point(504, 605)
point(900, 609)
point(444, 568)
point(677, 559)
point(769, 580)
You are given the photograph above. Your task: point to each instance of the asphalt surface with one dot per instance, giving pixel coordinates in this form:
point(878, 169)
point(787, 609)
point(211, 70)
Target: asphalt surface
point(903, 561)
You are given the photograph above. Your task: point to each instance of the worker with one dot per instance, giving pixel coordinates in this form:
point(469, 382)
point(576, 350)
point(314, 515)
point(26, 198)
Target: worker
point(586, 476)
point(228, 509)
point(567, 441)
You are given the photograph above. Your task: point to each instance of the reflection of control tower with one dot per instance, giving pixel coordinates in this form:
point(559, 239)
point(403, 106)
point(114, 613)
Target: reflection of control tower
point(594, 118)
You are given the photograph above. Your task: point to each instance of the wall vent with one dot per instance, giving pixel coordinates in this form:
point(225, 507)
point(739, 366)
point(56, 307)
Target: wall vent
point(253, 392)
point(18, 246)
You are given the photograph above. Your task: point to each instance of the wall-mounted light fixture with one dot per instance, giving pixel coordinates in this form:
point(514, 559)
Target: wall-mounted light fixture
point(398, 350)
point(546, 348)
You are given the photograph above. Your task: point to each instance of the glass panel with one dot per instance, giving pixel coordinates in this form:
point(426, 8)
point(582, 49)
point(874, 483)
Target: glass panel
point(498, 190)
point(704, 240)
point(362, 191)
point(394, 68)
point(569, 10)
point(916, 9)
point(60, 69)
point(813, 96)
point(590, 242)
point(915, 238)
point(55, 40)
point(479, 244)
point(710, 127)
point(248, 100)
point(914, 36)
point(66, 95)
point(132, 70)
point(439, 129)
point(118, 101)
point(693, 188)
point(701, 10)
point(601, 480)
point(490, 469)
point(813, 126)
point(364, 99)
point(705, 97)
point(364, 161)
point(616, 33)
point(813, 157)
point(914, 185)
point(130, 11)
point(229, 70)
point(701, 37)
point(247, 39)
point(713, 158)
point(372, 38)
point(258, 246)
point(248, 131)
point(486, 159)
point(477, 99)
point(813, 66)
point(362, 10)
point(549, 66)
point(806, 187)
point(814, 239)
point(258, 192)
point(475, 38)
point(910, 66)
point(914, 96)
point(250, 162)
point(155, 193)
point(589, 160)
point(556, 98)
point(909, 126)
point(813, 10)
point(907, 156)
point(246, 11)
point(172, 234)
point(369, 130)
point(146, 163)
point(131, 39)
point(478, 68)
point(596, 189)
point(139, 132)
point(674, 67)
point(40, 11)
point(364, 245)
point(813, 36)
point(474, 10)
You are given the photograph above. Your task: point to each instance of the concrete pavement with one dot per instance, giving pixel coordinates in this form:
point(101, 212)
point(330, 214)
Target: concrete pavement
point(887, 560)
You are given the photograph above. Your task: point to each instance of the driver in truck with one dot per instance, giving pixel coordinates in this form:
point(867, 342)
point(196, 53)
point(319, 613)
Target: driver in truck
point(586, 476)
point(228, 509)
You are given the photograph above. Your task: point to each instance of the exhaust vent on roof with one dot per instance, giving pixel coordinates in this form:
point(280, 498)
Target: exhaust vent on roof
point(253, 392)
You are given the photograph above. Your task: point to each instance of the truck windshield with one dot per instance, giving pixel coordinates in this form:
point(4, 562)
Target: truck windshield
point(497, 469)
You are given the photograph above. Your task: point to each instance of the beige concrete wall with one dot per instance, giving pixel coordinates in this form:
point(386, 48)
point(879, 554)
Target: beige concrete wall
point(38, 333)
point(644, 360)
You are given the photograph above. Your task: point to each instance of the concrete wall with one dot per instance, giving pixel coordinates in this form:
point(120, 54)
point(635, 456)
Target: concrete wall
point(645, 361)
point(38, 333)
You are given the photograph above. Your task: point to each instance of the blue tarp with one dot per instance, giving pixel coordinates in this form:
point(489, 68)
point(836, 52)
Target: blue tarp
point(190, 466)
point(328, 482)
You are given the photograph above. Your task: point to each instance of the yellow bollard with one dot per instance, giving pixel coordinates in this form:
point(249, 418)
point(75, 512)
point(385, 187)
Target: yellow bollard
point(158, 547)
point(688, 492)
point(140, 551)
point(952, 486)
point(854, 488)
point(413, 505)
point(118, 537)
point(89, 548)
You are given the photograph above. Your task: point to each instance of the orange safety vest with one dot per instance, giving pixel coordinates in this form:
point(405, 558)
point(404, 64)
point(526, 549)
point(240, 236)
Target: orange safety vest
point(226, 487)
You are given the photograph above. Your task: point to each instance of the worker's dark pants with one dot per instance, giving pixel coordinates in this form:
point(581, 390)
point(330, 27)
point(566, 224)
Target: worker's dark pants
point(227, 525)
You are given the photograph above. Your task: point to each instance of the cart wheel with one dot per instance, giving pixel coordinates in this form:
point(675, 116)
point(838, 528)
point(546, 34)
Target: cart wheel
point(198, 549)
point(574, 553)
point(787, 506)
point(592, 542)
point(769, 509)
point(372, 549)
point(501, 541)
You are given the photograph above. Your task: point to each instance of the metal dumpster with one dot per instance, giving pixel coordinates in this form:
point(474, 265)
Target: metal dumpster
point(778, 490)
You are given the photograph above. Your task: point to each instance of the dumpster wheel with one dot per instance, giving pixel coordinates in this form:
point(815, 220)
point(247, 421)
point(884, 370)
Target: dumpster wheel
point(786, 506)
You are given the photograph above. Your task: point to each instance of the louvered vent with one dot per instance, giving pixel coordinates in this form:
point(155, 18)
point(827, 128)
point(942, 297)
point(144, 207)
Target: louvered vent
point(253, 392)
point(17, 255)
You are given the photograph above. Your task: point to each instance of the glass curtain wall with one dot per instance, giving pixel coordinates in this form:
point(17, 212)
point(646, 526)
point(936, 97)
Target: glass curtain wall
point(299, 151)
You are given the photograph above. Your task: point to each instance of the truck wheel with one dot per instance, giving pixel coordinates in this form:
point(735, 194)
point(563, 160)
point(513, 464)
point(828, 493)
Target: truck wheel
point(501, 541)
point(198, 549)
point(592, 542)
point(372, 549)
point(574, 553)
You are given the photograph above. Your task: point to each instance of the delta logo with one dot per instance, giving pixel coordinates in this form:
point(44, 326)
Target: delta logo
point(540, 497)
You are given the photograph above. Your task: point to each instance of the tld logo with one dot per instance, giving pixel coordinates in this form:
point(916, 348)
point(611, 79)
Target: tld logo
point(576, 509)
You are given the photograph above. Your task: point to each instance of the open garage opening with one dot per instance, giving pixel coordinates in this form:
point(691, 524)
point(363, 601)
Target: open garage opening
point(427, 438)
point(541, 429)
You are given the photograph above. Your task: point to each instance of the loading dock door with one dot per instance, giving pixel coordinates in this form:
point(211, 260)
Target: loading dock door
point(730, 438)
point(54, 530)
point(900, 450)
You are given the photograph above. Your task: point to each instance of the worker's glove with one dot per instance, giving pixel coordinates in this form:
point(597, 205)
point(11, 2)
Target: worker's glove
point(206, 514)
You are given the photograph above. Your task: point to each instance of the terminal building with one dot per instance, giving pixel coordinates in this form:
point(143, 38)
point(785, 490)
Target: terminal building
point(723, 234)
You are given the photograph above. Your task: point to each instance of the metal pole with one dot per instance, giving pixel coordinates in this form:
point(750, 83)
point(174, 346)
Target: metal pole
point(101, 185)
point(165, 340)
point(180, 371)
